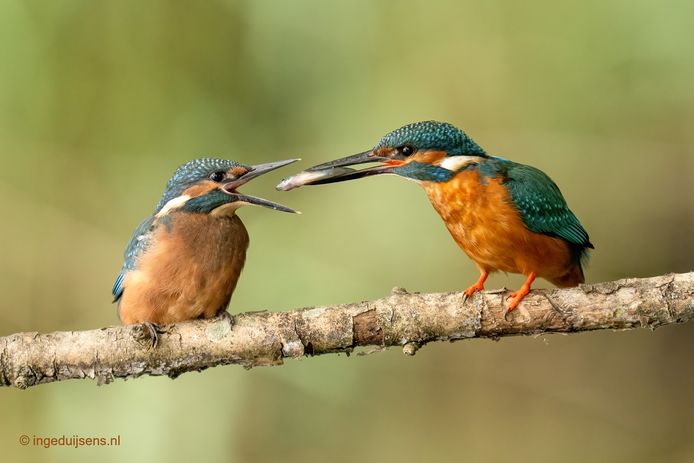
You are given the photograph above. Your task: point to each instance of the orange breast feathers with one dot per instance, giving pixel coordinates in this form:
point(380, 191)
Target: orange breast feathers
point(189, 271)
point(486, 225)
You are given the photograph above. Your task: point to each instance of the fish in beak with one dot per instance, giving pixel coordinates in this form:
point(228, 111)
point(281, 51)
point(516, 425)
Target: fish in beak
point(337, 170)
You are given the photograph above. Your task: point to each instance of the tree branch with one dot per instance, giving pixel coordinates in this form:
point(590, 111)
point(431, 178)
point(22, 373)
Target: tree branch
point(402, 319)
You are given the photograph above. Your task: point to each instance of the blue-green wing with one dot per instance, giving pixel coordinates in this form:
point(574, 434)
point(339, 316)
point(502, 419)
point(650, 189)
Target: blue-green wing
point(542, 205)
point(137, 245)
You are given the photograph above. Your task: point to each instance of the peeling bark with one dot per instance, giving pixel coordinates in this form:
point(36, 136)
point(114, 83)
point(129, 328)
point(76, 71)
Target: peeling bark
point(401, 319)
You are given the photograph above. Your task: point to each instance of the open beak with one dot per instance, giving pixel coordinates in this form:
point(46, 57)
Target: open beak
point(337, 171)
point(256, 171)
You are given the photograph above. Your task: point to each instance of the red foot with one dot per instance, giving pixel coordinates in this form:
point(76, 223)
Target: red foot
point(517, 296)
point(473, 289)
point(478, 286)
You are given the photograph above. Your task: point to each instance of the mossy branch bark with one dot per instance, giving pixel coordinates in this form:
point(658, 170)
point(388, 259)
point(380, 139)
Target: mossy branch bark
point(401, 319)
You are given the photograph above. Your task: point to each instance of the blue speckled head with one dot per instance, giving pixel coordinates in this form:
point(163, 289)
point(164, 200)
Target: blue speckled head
point(192, 172)
point(432, 135)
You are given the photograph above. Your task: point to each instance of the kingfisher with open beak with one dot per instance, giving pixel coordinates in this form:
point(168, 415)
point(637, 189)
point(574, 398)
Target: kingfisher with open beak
point(184, 260)
point(504, 215)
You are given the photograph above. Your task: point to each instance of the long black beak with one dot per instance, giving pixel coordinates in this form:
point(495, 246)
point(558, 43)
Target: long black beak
point(359, 158)
point(256, 171)
point(336, 171)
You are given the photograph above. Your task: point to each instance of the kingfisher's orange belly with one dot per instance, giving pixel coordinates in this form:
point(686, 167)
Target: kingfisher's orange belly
point(488, 228)
point(190, 271)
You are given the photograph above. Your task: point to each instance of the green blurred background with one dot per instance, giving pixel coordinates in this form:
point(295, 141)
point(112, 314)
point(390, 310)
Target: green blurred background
point(101, 101)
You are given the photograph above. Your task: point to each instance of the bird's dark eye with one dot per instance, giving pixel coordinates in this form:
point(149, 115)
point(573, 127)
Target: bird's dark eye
point(405, 150)
point(217, 176)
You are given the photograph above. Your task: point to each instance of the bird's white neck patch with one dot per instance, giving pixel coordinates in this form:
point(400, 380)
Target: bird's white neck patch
point(227, 210)
point(175, 203)
point(455, 163)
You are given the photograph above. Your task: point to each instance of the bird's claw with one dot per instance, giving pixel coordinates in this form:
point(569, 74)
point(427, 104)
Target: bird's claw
point(516, 297)
point(468, 293)
point(148, 333)
point(224, 315)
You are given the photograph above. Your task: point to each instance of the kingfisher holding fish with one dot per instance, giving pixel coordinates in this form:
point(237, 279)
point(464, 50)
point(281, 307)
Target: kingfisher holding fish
point(505, 216)
point(184, 260)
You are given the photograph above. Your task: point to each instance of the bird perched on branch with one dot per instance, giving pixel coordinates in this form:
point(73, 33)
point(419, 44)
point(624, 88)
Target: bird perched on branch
point(504, 215)
point(184, 260)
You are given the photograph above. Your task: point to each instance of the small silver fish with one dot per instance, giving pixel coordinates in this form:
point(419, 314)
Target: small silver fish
point(308, 177)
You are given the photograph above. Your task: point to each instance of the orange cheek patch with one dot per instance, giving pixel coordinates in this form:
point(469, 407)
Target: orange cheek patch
point(200, 189)
point(237, 171)
point(427, 157)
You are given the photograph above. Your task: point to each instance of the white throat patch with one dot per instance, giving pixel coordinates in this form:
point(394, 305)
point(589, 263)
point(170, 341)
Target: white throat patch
point(227, 210)
point(455, 163)
point(175, 203)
